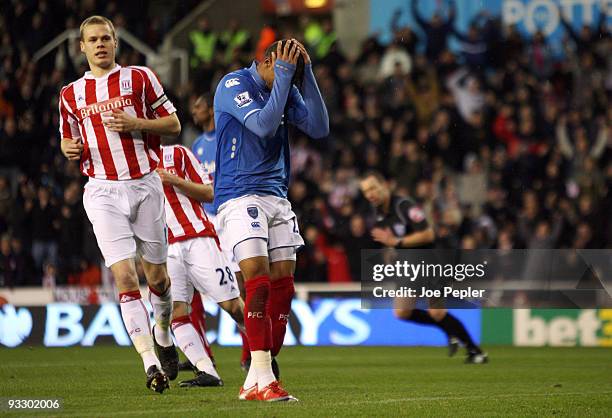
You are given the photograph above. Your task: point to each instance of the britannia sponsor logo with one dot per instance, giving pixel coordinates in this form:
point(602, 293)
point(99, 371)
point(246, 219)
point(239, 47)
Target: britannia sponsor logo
point(105, 106)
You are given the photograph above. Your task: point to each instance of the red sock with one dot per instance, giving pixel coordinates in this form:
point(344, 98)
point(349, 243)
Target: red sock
point(256, 316)
point(280, 308)
point(246, 350)
point(198, 319)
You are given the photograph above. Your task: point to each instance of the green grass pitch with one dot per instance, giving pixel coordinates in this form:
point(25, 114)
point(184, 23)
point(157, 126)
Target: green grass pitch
point(329, 381)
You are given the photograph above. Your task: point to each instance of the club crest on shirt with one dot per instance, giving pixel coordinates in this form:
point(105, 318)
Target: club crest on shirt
point(243, 99)
point(253, 212)
point(126, 85)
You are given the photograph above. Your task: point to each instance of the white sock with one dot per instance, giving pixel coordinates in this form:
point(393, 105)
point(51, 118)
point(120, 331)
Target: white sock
point(136, 319)
point(162, 310)
point(251, 378)
point(262, 362)
point(150, 359)
point(191, 344)
point(162, 336)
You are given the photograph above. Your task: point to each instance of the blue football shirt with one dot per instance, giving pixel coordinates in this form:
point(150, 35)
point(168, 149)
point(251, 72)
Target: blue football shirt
point(246, 163)
point(205, 150)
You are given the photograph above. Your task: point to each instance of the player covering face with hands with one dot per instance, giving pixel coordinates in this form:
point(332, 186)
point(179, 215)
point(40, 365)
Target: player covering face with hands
point(253, 108)
point(195, 259)
point(205, 149)
point(111, 120)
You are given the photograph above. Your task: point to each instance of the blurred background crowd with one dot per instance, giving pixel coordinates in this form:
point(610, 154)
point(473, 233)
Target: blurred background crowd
point(503, 143)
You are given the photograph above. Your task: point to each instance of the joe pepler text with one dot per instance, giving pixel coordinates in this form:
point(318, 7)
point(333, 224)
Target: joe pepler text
point(424, 292)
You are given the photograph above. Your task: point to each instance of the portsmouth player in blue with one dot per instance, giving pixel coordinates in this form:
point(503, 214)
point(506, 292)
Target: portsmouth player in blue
point(205, 149)
point(253, 108)
point(205, 146)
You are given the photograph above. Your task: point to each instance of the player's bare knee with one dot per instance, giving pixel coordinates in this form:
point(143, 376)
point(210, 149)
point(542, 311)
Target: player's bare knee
point(124, 273)
point(234, 307)
point(126, 280)
point(255, 267)
point(402, 313)
point(281, 269)
point(159, 283)
point(157, 277)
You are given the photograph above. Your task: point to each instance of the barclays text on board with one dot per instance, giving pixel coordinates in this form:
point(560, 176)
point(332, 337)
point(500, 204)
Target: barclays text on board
point(324, 321)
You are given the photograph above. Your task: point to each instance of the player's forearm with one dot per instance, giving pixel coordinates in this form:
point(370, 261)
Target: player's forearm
point(318, 119)
point(417, 239)
point(265, 122)
point(200, 192)
point(165, 126)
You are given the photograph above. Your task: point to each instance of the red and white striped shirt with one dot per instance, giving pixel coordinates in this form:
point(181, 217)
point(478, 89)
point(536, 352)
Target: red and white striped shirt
point(185, 216)
point(106, 154)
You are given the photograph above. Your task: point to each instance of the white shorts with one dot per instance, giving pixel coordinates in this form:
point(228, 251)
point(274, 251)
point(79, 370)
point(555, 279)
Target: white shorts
point(199, 263)
point(128, 217)
point(229, 254)
point(254, 216)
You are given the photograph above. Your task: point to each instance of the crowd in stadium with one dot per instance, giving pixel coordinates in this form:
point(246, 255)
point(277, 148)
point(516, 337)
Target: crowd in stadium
point(503, 143)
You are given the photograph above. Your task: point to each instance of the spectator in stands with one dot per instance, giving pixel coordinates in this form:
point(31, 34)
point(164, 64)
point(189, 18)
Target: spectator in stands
point(5, 204)
point(436, 30)
point(235, 41)
point(268, 34)
point(466, 89)
point(71, 231)
point(395, 61)
point(203, 43)
point(45, 225)
point(404, 35)
point(311, 265)
point(579, 151)
point(16, 266)
point(526, 142)
point(473, 47)
point(7, 263)
point(588, 37)
point(540, 56)
point(327, 40)
point(356, 240)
